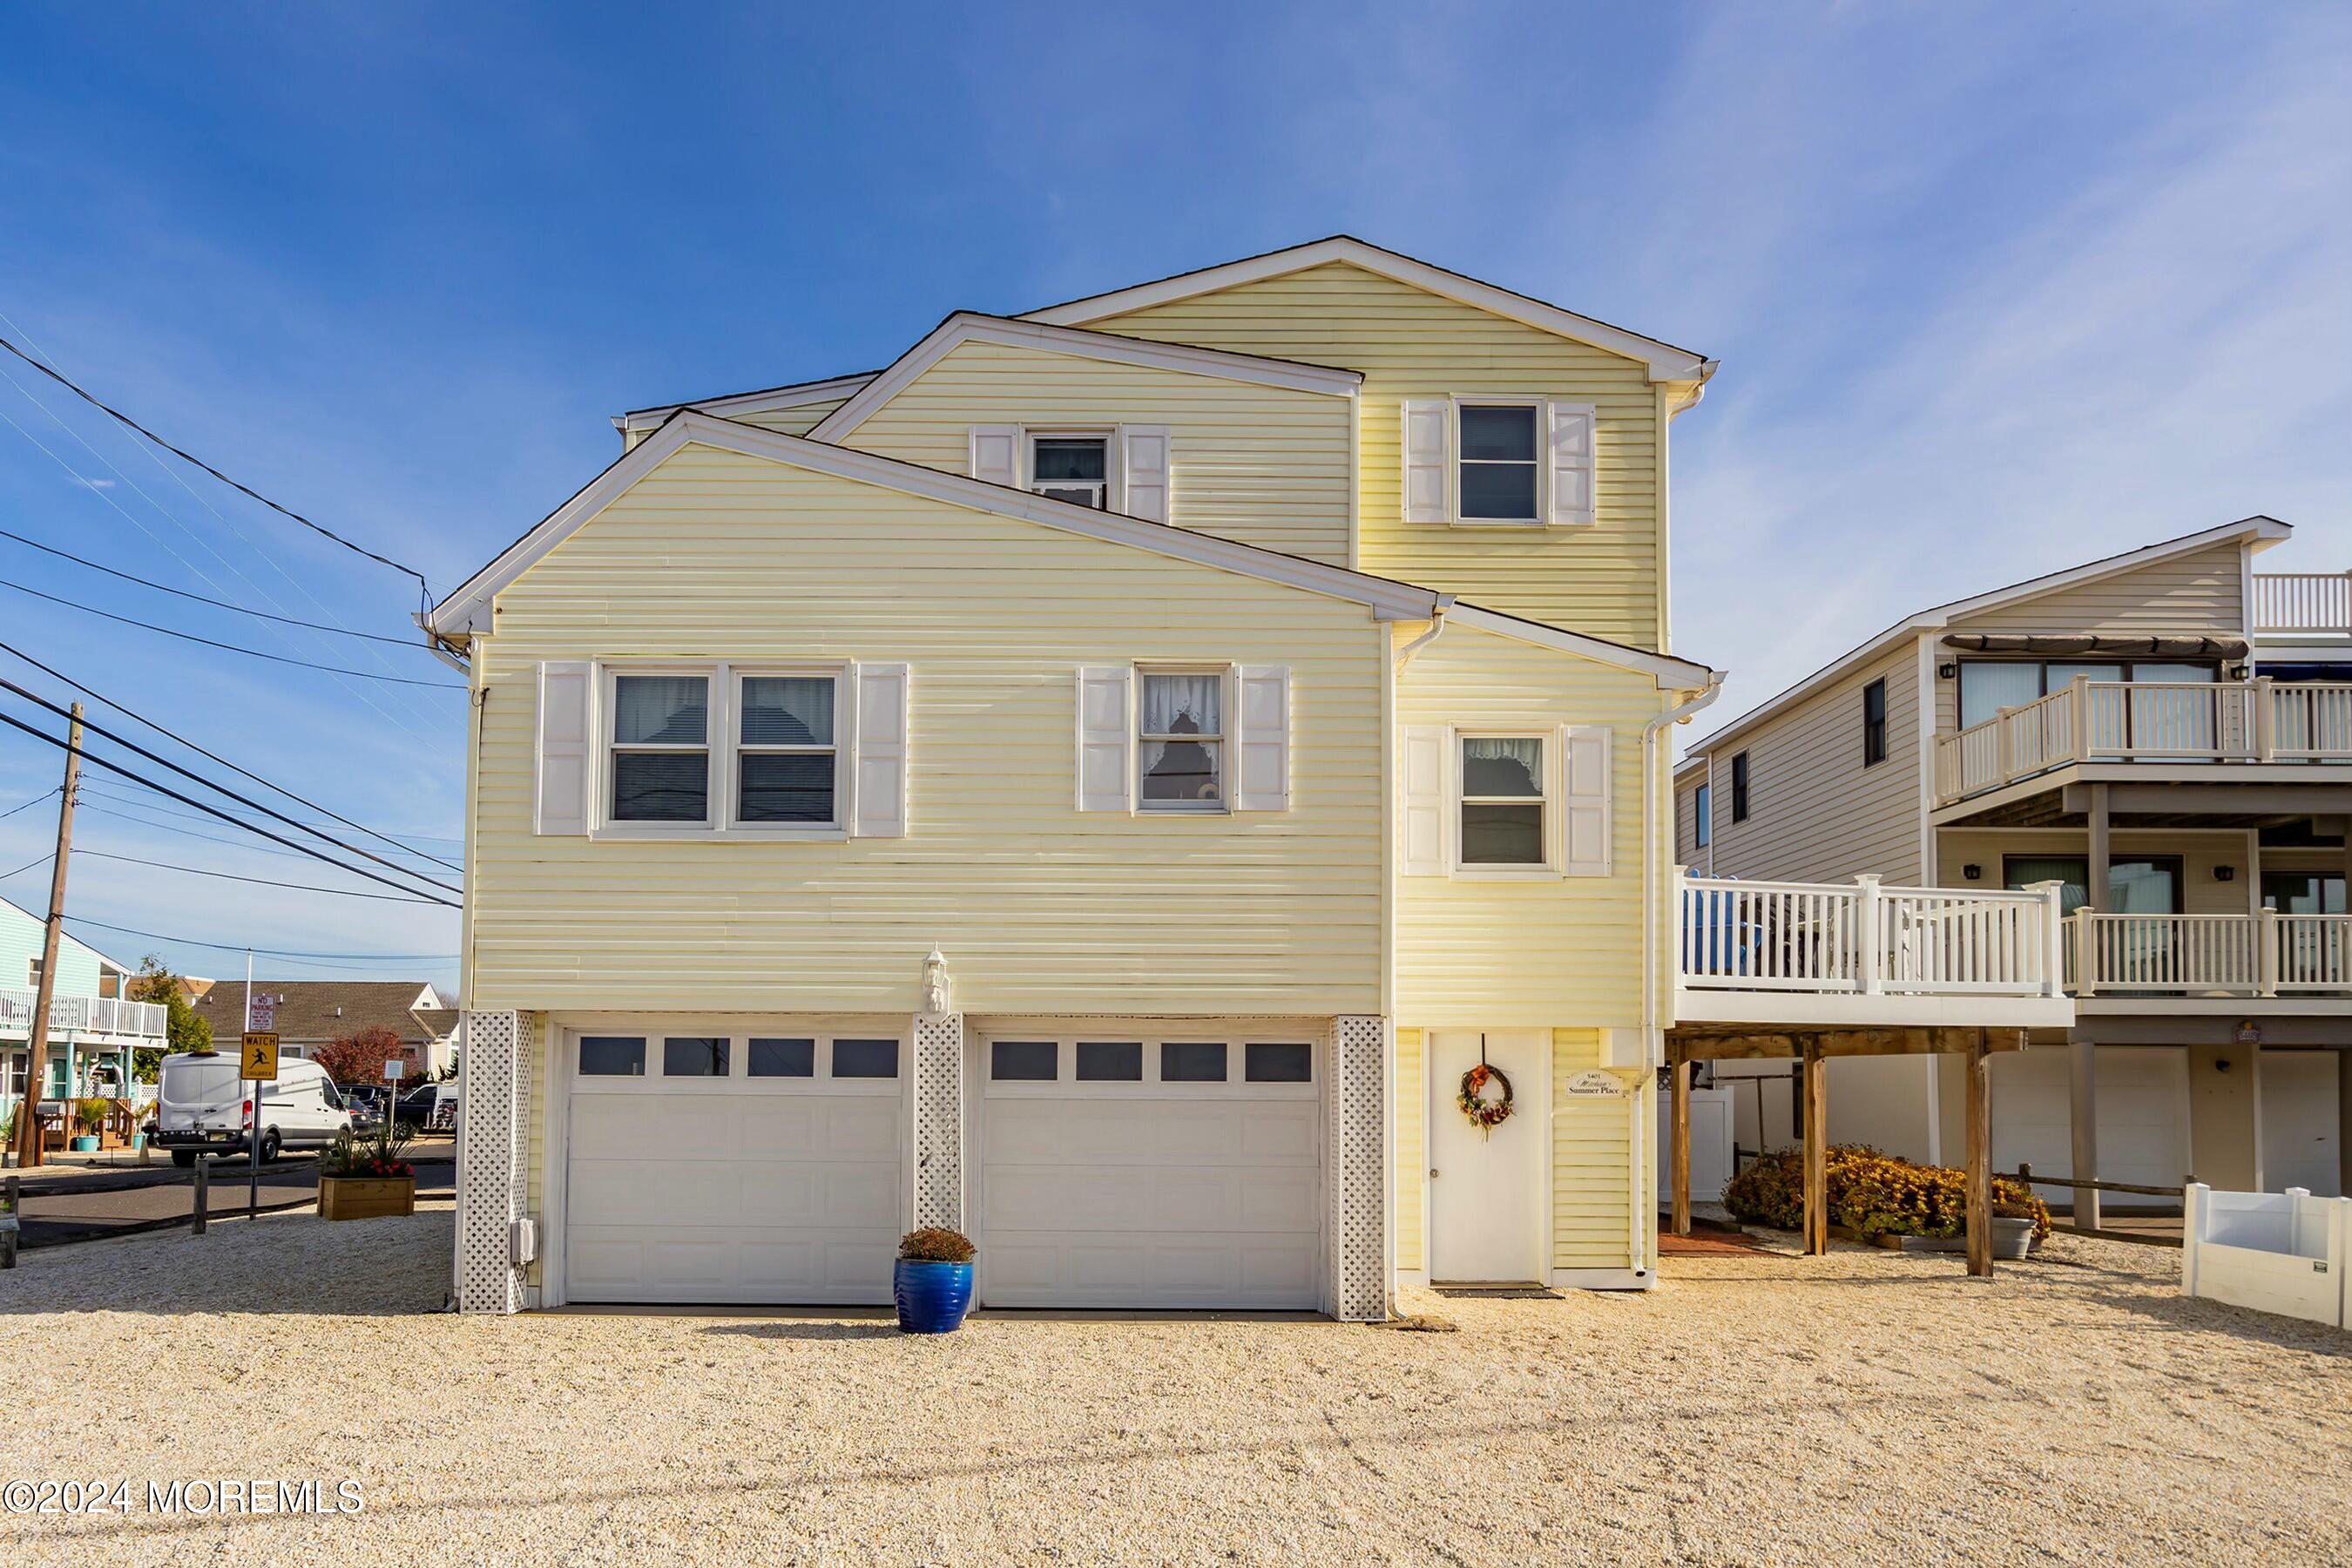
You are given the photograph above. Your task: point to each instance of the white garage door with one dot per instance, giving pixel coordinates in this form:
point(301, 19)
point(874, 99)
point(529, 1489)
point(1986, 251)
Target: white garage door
point(1128, 1171)
point(740, 1167)
point(2143, 1121)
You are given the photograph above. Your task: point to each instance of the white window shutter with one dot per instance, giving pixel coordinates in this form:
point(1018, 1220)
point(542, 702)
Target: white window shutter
point(1427, 437)
point(878, 752)
point(1426, 819)
point(1570, 445)
point(1585, 788)
point(1144, 471)
point(1261, 742)
point(560, 796)
point(996, 453)
point(1105, 738)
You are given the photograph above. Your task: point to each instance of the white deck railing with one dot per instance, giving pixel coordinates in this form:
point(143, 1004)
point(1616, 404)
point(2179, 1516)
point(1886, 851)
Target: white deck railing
point(2089, 720)
point(1860, 938)
point(2303, 602)
point(2268, 955)
point(80, 1015)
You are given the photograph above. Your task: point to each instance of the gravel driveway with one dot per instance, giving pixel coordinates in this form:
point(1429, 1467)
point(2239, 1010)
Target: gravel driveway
point(1865, 1406)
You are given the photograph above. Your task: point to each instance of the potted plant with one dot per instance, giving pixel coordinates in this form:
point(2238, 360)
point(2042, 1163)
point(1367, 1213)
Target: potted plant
point(89, 1117)
point(932, 1281)
point(365, 1178)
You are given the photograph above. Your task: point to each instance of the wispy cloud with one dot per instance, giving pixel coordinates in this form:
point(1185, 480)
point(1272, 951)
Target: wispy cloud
point(88, 483)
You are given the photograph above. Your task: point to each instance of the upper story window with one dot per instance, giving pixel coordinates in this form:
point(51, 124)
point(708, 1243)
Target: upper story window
point(33, 971)
point(1499, 481)
point(1504, 801)
point(1739, 787)
point(724, 747)
point(1181, 731)
point(1702, 816)
point(1073, 468)
point(1874, 723)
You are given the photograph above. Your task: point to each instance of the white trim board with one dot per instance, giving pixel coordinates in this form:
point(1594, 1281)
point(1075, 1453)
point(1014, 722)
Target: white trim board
point(765, 401)
point(971, 326)
point(2261, 532)
point(1672, 674)
point(1665, 362)
point(466, 610)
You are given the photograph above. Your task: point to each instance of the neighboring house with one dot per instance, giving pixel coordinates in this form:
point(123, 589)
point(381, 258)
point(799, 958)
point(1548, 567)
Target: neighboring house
point(1248, 688)
point(92, 1031)
point(2166, 733)
point(310, 1013)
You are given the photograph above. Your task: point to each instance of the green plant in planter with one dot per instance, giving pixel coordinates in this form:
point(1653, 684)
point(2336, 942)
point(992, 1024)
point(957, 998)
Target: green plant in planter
point(89, 1115)
point(934, 1244)
point(376, 1154)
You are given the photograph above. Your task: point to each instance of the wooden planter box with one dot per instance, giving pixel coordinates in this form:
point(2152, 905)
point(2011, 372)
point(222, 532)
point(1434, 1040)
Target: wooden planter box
point(366, 1197)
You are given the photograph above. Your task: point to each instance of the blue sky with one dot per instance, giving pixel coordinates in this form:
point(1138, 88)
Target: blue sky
point(1996, 288)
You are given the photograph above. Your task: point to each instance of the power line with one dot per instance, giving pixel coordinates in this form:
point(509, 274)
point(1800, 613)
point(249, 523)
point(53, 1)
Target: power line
point(85, 792)
point(424, 588)
point(214, 756)
point(206, 599)
point(30, 863)
point(28, 805)
point(184, 832)
point(262, 882)
point(271, 951)
point(230, 647)
point(217, 789)
point(16, 724)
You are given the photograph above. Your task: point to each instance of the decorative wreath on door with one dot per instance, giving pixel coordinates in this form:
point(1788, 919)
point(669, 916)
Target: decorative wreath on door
point(1484, 1114)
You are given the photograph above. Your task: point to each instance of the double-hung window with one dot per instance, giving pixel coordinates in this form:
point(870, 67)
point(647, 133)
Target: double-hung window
point(1071, 467)
point(786, 761)
point(1499, 480)
point(661, 748)
point(721, 747)
point(1504, 801)
point(1181, 736)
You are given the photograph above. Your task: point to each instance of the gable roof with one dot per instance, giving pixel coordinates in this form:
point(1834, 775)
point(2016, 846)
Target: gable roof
point(2261, 531)
point(324, 1009)
point(1665, 362)
point(971, 326)
point(734, 404)
point(466, 608)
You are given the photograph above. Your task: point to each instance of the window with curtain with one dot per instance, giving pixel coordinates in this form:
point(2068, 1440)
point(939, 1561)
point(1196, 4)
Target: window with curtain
point(661, 748)
point(1180, 728)
point(787, 763)
point(1502, 800)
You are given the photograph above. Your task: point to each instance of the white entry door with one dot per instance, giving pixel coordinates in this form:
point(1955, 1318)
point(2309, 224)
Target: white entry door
point(748, 1165)
point(1122, 1168)
point(1486, 1189)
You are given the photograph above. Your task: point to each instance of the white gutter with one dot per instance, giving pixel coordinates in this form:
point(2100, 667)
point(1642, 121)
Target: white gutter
point(1653, 1033)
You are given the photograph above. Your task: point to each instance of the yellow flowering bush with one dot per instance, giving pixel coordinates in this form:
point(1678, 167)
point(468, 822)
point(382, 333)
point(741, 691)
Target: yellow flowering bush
point(1873, 1195)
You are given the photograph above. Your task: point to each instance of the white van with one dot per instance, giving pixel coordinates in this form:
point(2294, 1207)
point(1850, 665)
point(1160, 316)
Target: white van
point(200, 1104)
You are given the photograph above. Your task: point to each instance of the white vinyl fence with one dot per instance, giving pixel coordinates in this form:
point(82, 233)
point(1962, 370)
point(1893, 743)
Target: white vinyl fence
point(2275, 1252)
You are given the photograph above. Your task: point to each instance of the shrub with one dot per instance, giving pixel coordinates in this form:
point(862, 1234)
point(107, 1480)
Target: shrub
point(1873, 1195)
point(90, 1114)
point(935, 1245)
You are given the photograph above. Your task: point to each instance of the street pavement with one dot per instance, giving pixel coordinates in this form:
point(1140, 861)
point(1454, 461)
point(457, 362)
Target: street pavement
point(85, 1205)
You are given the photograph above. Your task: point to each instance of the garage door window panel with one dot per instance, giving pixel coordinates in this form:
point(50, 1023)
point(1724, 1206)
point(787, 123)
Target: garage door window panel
point(1278, 1062)
point(612, 1055)
point(1110, 1061)
point(864, 1059)
point(1192, 1061)
point(782, 1056)
point(695, 1056)
point(1024, 1061)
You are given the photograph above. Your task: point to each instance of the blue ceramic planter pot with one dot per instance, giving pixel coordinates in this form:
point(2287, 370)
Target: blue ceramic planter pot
point(932, 1297)
point(84, 1144)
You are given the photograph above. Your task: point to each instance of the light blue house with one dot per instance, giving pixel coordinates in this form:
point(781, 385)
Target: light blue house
point(92, 1030)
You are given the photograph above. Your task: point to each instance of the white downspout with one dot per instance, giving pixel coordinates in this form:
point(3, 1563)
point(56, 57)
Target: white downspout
point(1436, 628)
point(1653, 1033)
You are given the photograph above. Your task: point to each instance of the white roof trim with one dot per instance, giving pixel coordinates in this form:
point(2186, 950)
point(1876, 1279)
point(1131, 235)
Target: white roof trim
point(466, 610)
point(737, 404)
point(970, 326)
point(2259, 532)
point(1665, 362)
point(1672, 674)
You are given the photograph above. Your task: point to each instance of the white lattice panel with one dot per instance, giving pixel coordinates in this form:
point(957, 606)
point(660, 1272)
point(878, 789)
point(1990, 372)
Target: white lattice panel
point(1357, 1144)
point(938, 1143)
point(496, 1066)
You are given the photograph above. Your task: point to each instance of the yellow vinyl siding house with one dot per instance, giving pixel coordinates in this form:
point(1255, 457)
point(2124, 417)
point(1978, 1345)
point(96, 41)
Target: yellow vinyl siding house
point(1048, 787)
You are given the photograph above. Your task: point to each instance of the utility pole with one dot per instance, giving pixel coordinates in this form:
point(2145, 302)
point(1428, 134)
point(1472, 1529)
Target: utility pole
point(36, 1058)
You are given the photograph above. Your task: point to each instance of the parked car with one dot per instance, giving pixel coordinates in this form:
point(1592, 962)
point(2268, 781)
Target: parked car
point(203, 1105)
point(421, 1106)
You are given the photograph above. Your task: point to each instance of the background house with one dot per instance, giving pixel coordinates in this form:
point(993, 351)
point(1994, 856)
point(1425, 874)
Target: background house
point(312, 1012)
point(92, 1031)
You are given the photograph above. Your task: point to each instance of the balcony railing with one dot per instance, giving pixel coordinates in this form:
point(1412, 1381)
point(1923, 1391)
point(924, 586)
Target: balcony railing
point(2268, 955)
point(2303, 602)
point(2257, 720)
point(80, 1015)
point(1861, 939)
